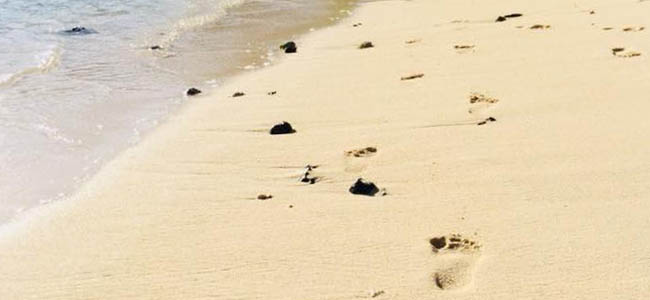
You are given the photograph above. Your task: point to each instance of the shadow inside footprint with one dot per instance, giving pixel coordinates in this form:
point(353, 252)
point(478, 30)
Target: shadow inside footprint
point(456, 258)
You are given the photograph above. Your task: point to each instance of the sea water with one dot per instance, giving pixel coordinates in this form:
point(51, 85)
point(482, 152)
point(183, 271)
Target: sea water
point(71, 102)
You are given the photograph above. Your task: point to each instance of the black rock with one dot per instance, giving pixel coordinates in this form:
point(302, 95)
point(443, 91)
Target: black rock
point(365, 45)
point(79, 31)
point(155, 47)
point(362, 187)
point(193, 91)
point(238, 94)
point(438, 242)
point(272, 93)
point(307, 179)
point(289, 47)
point(501, 19)
point(283, 128)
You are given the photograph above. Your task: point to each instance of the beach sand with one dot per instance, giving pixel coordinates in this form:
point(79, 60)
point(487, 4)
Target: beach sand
point(549, 199)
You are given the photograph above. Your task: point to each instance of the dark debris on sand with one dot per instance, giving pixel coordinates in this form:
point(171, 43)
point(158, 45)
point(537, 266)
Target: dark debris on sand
point(366, 45)
point(79, 31)
point(307, 177)
point(411, 77)
point(289, 47)
point(488, 120)
point(264, 197)
point(193, 92)
point(367, 188)
point(282, 128)
point(508, 16)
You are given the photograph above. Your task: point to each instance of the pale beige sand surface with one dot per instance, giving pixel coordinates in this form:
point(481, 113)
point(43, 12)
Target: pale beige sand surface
point(556, 192)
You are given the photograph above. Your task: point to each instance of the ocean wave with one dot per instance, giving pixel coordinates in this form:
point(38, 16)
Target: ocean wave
point(45, 62)
point(201, 13)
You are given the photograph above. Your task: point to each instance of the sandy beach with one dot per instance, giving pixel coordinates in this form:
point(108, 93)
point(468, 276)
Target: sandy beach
point(514, 156)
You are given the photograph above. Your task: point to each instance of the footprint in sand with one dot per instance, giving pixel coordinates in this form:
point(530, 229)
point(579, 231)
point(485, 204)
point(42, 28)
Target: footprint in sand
point(622, 52)
point(540, 27)
point(354, 165)
point(455, 261)
point(362, 152)
point(479, 102)
point(633, 29)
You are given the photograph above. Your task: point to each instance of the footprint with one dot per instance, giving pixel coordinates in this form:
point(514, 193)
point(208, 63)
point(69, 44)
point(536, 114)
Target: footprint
point(480, 98)
point(620, 52)
point(633, 29)
point(540, 26)
point(479, 102)
point(353, 165)
point(362, 152)
point(455, 261)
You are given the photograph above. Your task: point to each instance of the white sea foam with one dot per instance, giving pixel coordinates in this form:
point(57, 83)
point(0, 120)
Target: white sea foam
point(43, 62)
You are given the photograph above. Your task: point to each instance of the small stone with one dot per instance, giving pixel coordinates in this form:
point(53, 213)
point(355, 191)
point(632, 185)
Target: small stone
point(501, 19)
point(366, 45)
point(272, 93)
point(79, 31)
point(238, 94)
point(289, 47)
point(362, 187)
point(438, 242)
point(282, 128)
point(515, 15)
point(193, 92)
point(155, 47)
point(264, 197)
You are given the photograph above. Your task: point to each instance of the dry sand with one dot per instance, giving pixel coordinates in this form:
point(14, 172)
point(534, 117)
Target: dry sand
point(554, 195)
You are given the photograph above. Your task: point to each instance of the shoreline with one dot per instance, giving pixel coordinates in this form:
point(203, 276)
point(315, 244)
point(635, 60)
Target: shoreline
point(524, 204)
point(140, 109)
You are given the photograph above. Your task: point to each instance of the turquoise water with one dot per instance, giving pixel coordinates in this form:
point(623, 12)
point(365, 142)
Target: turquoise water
point(69, 103)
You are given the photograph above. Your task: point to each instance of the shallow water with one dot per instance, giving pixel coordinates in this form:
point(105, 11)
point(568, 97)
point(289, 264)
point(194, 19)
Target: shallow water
point(69, 103)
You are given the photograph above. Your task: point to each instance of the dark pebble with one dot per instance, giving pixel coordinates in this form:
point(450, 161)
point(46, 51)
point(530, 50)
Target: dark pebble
point(238, 94)
point(439, 242)
point(362, 187)
point(365, 45)
point(193, 91)
point(289, 47)
point(79, 31)
point(282, 128)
